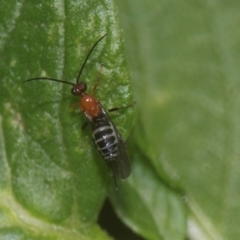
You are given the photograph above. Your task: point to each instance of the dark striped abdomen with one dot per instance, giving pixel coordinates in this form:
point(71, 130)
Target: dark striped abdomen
point(104, 137)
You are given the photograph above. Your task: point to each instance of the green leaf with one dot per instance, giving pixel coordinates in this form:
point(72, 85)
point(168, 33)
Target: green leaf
point(147, 205)
point(184, 59)
point(52, 180)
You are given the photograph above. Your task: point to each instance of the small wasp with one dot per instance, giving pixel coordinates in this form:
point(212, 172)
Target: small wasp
point(105, 136)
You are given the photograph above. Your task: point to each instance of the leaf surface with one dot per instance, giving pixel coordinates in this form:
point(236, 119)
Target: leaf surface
point(52, 180)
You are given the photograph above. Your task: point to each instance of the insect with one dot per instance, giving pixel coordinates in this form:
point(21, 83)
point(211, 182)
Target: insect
point(105, 136)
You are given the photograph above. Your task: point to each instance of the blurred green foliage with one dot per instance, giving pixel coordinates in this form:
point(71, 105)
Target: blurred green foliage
point(183, 58)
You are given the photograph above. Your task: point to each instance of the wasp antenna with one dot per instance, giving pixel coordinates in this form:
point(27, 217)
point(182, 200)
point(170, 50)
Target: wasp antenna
point(89, 53)
point(50, 79)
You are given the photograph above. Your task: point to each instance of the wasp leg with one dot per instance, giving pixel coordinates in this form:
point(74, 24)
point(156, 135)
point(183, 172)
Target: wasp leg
point(74, 105)
point(97, 82)
point(120, 108)
point(95, 86)
point(84, 126)
point(115, 180)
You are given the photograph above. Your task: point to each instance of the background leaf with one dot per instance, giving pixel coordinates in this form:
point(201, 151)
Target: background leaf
point(184, 60)
point(53, 182)
point(147, 205)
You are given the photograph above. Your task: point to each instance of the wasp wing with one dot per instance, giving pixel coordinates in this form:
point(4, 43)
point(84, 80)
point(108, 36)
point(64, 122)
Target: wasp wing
point(122, 160)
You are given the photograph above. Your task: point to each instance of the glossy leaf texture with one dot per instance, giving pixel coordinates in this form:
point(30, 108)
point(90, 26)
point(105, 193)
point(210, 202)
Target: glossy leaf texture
point(184, 60)
point(52, 180)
